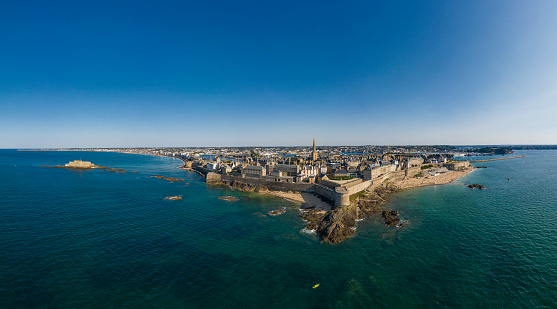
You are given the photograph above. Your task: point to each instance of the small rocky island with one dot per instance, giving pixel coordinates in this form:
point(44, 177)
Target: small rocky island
point(391, 217)
point(78, 164)
point(228, 198)
point(173, 198)
point(474, 186)
point(277, 212)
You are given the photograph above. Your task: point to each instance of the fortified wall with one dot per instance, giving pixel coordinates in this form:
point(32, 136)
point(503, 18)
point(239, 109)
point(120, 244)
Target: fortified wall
point(338, 193)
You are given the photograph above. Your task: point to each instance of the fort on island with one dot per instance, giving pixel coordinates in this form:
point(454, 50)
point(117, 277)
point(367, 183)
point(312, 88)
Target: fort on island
point(80, 164)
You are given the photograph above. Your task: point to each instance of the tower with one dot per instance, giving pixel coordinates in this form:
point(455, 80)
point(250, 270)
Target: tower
point(314, 152)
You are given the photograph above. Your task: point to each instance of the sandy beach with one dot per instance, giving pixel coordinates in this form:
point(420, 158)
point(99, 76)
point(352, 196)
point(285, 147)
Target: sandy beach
point(313, 201)
point(440, 179)
point(302, 198)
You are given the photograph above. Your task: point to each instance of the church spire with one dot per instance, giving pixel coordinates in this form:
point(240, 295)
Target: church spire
point(314, 152)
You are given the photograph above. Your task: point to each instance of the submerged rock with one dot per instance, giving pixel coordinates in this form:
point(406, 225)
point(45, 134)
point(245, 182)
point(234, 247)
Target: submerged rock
point(173, 198)
point(402, 223)
point(277, 212)
point(174, 179)
point(228, 198)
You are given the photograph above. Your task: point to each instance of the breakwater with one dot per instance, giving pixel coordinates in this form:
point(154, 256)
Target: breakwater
point(497, 159)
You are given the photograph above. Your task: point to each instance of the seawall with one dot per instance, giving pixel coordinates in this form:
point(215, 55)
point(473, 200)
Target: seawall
point(487, 160)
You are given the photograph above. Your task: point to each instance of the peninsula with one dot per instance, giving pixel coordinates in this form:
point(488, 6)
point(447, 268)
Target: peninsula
point(335, 186)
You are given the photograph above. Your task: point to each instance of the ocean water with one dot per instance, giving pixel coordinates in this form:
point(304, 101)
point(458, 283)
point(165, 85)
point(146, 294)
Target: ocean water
point(99, 239)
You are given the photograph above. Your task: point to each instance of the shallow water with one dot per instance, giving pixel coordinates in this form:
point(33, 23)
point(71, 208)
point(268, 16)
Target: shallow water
point(103, 239)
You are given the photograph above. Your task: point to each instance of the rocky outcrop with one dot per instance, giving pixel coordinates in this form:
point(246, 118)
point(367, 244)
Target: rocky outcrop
point(246, 187)
point(313, 217)
point(78, 165)
point(339, 223)
point(174, 179)
point(228, 198)
point(474, 186)
point(277, 212)
point(391, 217)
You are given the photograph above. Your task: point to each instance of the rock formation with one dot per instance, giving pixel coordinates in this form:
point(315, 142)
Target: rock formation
point(339, 223)
point(228, 198)
point(474, 186)
point(246, 187)
point(391, 217)
point(277, 212)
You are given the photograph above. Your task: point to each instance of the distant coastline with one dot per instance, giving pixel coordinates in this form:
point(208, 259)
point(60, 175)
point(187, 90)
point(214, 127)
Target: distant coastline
point(348, 201)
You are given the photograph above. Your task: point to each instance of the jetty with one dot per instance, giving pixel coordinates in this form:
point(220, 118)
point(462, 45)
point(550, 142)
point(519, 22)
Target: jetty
point(487, 160)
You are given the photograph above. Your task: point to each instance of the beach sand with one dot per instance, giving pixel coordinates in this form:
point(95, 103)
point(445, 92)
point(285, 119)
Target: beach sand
point(313, 201)
point(440, 179)
point(302, 198)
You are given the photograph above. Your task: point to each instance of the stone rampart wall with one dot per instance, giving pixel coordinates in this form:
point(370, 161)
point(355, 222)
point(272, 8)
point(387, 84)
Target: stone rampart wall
point(213, 177)
point(272, 185)
point(341, 183)
point(200, 169)
point(359, 187)
point(323, 191)
point(411, 172)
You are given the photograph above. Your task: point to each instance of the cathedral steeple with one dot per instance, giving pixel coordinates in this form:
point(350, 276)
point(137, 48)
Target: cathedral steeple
point(314, 152)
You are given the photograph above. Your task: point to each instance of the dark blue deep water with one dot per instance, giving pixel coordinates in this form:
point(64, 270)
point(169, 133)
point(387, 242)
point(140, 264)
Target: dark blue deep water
point(99, 239)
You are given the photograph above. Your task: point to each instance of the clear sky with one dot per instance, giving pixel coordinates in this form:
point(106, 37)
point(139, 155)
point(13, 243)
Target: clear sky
point(239, 73)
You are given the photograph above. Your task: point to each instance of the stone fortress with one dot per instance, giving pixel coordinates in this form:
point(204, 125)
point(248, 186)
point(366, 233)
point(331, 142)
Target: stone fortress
point(80, 164)
point(333, 177)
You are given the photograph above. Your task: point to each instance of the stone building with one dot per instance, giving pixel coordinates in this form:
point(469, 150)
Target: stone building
point(253, 171)
point(80, 164)
point(291, 170)
point(457, 165)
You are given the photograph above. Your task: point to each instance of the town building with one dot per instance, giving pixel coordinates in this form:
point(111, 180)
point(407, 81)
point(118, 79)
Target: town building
point(253, 171)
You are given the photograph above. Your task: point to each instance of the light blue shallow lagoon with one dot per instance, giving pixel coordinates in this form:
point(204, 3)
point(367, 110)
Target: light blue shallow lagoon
point(100, 239)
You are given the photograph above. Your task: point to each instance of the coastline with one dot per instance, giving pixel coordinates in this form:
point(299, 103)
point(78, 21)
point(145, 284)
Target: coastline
point(406, 184)
point(442, 179)
point(293, 197)
point(335, 224)
point(497, 159)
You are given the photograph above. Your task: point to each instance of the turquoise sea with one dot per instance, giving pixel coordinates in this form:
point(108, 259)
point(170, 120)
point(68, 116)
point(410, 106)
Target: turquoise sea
point(99, 239)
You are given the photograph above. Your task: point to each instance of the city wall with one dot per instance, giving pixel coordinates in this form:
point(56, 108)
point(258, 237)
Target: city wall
point(327, 193)
point(272, 185)
point(353, 189)
point(335, 193)
point(337, 183)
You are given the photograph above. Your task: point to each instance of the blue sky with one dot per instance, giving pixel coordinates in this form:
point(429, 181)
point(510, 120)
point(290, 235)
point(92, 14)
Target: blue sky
point(240, 73)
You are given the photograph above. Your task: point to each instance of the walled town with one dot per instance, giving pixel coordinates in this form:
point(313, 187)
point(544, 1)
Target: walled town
point(335, 185)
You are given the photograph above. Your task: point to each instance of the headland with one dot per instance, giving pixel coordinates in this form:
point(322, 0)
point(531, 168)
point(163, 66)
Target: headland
point(335, 187)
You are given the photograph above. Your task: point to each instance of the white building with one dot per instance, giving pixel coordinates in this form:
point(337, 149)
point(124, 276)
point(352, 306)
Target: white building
point(212, 166)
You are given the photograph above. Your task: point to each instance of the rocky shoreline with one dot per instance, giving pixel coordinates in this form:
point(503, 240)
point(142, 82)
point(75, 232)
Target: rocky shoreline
point(335, 224)
point(339, 223)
